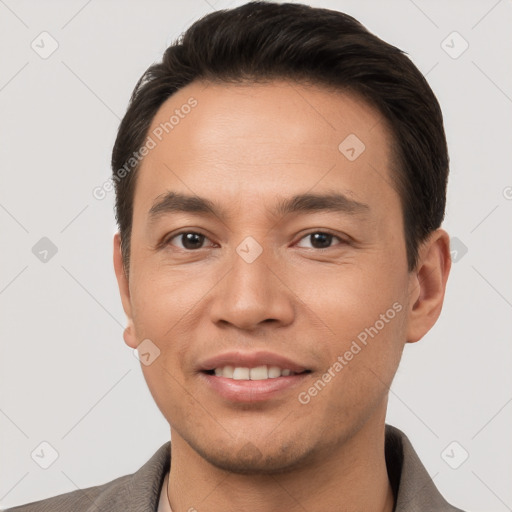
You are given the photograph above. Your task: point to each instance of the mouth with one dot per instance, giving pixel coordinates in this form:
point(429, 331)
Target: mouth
point(263, 372)
point(251, 377)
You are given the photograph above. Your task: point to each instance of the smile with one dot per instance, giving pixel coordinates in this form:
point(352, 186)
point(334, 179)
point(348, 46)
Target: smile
point(262, 372)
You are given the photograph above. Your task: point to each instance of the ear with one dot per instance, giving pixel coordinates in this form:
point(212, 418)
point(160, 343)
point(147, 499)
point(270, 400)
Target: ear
point(427, 284)
point(124, 289)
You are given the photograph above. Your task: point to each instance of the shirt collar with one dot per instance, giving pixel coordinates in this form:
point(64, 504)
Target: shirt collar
point(413, 488)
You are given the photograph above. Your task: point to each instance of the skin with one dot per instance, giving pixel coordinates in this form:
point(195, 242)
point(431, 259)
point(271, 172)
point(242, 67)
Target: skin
point(242, 146)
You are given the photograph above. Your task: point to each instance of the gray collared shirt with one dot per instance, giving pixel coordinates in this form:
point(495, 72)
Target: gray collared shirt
point(140, 492)
point(413, 487)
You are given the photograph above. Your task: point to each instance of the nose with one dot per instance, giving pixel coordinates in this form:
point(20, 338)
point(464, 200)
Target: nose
point(252, 294)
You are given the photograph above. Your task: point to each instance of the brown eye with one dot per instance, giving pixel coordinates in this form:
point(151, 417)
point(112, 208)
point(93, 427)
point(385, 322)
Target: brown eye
point(189, 240)
point(321, 239)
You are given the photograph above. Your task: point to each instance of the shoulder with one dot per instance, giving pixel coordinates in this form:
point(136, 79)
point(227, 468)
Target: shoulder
point(138, 491)
point(79, 500)
point(413, 486)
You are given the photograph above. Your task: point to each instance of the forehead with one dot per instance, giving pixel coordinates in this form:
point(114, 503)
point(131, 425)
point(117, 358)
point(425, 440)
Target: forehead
point(256, 141)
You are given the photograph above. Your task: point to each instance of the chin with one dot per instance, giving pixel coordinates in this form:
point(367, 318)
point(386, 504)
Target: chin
point(248, 459)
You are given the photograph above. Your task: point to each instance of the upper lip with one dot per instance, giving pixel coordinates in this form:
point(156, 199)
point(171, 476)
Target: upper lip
point(250, 360)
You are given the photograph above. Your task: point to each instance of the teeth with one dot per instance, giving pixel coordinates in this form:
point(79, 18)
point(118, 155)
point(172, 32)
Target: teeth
point(273, 372)
point(227, 371)
point(257, 373)
point(241, 373)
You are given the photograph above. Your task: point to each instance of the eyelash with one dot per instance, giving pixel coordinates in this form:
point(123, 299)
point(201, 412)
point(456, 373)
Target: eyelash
point(342, 241)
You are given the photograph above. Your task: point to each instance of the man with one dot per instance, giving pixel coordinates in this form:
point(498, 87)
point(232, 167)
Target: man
point(280, 185)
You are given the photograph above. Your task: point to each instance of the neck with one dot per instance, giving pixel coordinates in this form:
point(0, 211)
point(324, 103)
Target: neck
point(352, 476)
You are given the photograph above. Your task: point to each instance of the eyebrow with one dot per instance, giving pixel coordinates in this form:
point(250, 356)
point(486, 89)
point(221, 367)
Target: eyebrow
point(176, 202)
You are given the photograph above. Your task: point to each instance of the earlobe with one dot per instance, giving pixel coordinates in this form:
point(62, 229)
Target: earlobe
point(124, 291)
point(428, 285)
point(129, 335)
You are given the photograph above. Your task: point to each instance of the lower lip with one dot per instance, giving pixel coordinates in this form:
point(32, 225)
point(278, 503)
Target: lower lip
point(252, 390)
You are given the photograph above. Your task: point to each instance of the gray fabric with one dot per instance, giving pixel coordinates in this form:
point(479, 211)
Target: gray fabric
point(416, 490)
point(139, 492)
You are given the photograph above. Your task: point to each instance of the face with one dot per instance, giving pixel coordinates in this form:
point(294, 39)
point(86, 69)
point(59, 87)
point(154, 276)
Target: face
point(242, 275)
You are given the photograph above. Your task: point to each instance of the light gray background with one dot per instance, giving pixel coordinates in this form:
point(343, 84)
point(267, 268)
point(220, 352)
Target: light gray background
point(67, 377)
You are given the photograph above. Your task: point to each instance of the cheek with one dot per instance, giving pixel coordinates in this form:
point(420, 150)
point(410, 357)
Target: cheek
point(168, 307)
point(361, 310)
point(164, 298)
point(360, 362)
point(350, 297)
point(168, 390)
